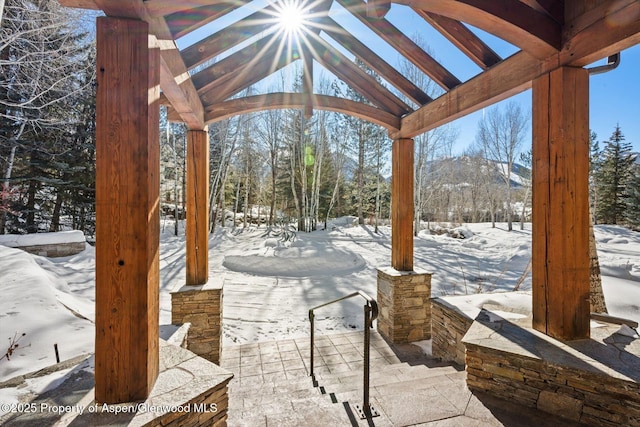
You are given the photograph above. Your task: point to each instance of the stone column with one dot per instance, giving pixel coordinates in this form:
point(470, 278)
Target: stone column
point(201, 306)
point(404, 301)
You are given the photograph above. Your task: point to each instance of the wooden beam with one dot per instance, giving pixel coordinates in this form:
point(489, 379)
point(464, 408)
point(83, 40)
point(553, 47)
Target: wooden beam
point(197, 207)
point(591, 41)
point(463, 38)
point(504, 80)
point(403, 44)
point(174, 79)
point(378, 9)
point(307, 82)
point(402, 153)
point(239, 64)
point(229, 37)
point(184, 22)
point(533, 31)
point(127, 211)
point(242, 69)
point(600, 32)
point(553, 8)
point(178, 88)
point(350, 73)
point(271, 101)
point(560, 251)
point(375, 62)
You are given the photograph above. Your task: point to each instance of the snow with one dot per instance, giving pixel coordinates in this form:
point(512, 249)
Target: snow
point(270, 283)
point(21, 240)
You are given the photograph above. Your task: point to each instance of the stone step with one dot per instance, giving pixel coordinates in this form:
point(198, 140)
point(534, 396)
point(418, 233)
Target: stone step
point(394, 374)
point(332, 392)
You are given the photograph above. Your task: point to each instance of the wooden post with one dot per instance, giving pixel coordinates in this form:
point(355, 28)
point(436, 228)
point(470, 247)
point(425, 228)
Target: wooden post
point(127, 215)
point(402, 205)
point(560, 256)
point(197, 207)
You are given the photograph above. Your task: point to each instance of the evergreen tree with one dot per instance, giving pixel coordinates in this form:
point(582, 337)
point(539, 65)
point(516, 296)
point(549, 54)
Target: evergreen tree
point(46, 78)
point(594, 166)
point(612, 179)
point(633, 198)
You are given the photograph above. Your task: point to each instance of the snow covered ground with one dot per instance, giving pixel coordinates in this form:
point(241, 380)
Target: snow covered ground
point(270, 284)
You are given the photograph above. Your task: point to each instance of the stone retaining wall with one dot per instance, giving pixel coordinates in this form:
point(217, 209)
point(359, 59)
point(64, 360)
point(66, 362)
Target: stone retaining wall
point(448, 327)
point(201, 306)
point(593, 381)
point(586, 397)
point(404, 305)
point(59, 244)
point(55, 250)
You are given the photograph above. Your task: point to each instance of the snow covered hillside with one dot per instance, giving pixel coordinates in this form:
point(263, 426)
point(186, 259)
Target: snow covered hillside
point(270, 284)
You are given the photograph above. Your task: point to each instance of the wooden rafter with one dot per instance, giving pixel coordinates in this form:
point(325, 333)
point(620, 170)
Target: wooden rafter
point(463, 38)
point(231, 67)
point(519, 24)
point(176, 85)
point(242, 69)
point(182, 23)
point(553, 8)
point(233, 107)
point(402, 44)
point(229, 37)
point(592, 39)
point(351, 74)
point(375, 62)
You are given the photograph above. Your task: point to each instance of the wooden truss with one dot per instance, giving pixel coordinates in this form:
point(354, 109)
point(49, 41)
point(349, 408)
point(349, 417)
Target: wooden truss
point(137, 54)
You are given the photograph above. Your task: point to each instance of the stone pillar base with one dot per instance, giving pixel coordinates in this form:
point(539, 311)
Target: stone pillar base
point(202, 307)
point(404, 305)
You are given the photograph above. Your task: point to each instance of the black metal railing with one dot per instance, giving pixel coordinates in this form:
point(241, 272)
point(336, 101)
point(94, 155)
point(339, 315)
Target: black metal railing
point(370, 314)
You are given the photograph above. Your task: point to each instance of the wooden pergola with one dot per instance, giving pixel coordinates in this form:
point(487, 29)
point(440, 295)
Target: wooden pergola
point(139, 66)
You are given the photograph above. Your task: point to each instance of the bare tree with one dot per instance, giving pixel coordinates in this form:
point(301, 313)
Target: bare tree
point(42, 64)
point(501, 135)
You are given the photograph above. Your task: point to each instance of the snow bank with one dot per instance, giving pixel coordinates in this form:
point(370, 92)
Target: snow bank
point(41, 306)
point(20, 240)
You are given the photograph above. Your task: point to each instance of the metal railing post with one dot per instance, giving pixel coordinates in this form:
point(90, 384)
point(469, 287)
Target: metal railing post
point(367, 356)
point(311, 318)
point(370, 314)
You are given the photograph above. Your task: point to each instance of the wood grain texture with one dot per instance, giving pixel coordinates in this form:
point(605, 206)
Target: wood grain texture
point(127, 215)
point(369, 57)
point(560, 259)
point(403, 44)
point(531, 30)
point(463, 38)
point(197, 207)
point(270, 101)
point(402, 153)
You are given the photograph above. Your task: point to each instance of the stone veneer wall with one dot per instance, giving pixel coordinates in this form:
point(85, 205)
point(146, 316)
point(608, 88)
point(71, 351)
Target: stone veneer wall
point(578, 395)
point(58, 244)
point(404, 305)
point(55, 249)
point(208, 409)
point(201, 306)
point(448, 327)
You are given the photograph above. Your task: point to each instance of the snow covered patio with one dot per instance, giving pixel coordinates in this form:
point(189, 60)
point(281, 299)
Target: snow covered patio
point(267, 308)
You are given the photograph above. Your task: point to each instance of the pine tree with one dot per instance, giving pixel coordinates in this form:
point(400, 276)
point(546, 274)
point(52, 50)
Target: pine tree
point(595, 155)
point(633, 199)
point(45, 78)
point(612, 179)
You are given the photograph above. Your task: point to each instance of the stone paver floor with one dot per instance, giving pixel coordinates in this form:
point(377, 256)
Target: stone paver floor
point(272, 387)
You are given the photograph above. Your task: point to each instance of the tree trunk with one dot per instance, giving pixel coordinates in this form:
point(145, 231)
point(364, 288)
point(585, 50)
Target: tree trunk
point(55, 219)
point(31, 225)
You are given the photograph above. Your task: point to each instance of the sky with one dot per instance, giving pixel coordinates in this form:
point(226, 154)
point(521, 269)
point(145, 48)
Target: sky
point(614, 96)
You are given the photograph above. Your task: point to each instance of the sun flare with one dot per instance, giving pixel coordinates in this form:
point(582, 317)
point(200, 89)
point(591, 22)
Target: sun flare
point(291, 16)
